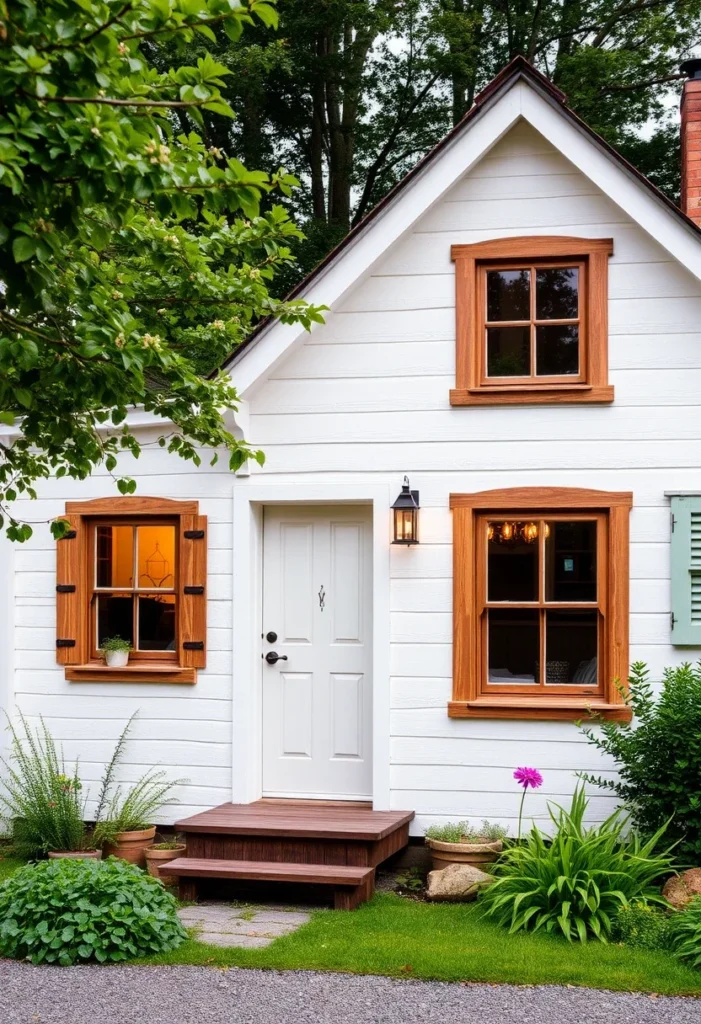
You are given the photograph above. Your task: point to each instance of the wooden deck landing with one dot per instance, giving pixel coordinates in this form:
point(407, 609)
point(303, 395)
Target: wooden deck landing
point(308, 819)
point(247, 841)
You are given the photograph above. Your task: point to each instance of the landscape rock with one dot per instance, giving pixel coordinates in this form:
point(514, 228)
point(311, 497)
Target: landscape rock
point(681, 889)
point(458, 882)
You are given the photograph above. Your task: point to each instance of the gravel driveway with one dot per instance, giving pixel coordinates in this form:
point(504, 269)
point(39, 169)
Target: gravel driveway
point(200, 995)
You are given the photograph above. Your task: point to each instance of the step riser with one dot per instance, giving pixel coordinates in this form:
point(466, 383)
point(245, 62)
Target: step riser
point(295, 850)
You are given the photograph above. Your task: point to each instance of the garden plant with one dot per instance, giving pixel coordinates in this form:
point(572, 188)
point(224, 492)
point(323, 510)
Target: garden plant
point(65, 912)
point(575, 883)
point(658, 756)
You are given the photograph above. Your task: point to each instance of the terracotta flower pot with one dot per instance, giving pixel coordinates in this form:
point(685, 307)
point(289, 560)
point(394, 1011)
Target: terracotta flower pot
point(132, 846)
point(475, 853)
point(75, 855)
point(155, 859)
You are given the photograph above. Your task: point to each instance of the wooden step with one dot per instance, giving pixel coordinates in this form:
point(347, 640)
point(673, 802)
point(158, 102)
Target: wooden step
point(352, 885)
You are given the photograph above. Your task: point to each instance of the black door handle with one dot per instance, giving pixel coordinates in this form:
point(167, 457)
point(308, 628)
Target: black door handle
point(272, 657)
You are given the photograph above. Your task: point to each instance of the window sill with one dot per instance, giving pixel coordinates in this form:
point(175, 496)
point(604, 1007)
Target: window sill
point(156, 672)
point(565, 709)
point(532, 395)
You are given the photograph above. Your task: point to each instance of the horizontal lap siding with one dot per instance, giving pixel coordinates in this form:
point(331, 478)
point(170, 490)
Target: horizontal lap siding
point(185, 730)
point(366, 400)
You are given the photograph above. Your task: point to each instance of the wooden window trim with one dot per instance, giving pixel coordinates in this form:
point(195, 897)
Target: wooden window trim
point(74, 566)
point(591, 385)
point(469, 699)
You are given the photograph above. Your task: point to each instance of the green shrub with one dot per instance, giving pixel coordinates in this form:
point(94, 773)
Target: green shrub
point(42, 798)
point(463, 831)
point(658, 756)
point(685, 933)
point(65, 911)
point(575, 883)
point(642, 926)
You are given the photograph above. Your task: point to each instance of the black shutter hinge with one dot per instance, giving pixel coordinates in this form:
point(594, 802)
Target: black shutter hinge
point(194, 534)
point(65, 643)
point(65, 588)
point(193, 590)
point(672, 619)
point(69, 535)
point(674, 521)
point(193, 645)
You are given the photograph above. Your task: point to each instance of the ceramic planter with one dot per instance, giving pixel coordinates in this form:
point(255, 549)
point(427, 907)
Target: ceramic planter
point(155, 859)
point(75, 855)
point(132, 846)
point(117, 659)
point(476, 853)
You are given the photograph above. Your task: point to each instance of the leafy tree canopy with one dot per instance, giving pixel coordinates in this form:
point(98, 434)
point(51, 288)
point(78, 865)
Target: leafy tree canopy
point(132, 254)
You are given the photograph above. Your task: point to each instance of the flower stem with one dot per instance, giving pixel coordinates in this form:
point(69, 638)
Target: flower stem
point(520, 813)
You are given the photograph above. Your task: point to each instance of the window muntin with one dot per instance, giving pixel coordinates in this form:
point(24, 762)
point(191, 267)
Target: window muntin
point(541, 602)
point(533, 322)
point(134, 593)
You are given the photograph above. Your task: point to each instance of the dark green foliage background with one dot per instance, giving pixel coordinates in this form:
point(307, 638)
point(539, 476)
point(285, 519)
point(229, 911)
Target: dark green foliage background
point(658, 756)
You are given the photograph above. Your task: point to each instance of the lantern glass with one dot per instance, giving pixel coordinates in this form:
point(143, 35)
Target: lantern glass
point(405, 523)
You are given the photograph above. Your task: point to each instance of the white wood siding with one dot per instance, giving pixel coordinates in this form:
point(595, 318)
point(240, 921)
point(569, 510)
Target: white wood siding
point(367, 395)
point(366, 399)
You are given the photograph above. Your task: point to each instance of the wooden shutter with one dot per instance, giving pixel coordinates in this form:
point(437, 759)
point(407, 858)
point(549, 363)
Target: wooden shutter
point(192, 619)
point(69, 595)
point(686, 570)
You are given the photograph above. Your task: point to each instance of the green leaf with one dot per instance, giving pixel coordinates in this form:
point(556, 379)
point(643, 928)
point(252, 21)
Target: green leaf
point(23, 248)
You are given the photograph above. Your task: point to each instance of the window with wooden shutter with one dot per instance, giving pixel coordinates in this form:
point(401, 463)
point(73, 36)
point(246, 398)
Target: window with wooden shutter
point(134, 568)
point(686, 569)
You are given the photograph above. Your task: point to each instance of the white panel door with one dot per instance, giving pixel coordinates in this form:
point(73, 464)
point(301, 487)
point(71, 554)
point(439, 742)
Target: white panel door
point(317, 699)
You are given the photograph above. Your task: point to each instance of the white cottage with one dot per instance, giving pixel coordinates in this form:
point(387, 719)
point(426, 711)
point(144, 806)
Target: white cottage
point(517, 328)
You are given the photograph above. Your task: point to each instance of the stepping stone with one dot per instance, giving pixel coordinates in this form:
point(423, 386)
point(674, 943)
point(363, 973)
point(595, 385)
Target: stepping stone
point(244, 927)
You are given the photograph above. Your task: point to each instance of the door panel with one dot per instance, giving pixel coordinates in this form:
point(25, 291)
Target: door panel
point(317, 699)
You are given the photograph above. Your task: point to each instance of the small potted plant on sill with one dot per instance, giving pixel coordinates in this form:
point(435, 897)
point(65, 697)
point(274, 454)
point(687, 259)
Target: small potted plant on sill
point(116, 651)
point(463, 843)
point(159, 854)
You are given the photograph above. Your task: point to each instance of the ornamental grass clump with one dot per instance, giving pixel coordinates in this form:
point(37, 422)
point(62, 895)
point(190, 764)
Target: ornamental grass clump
point(67, 912)
point(685, 933)
point(575, 883)
point(42, 798)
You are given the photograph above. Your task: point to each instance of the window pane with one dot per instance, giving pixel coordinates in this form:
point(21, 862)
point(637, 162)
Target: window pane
point(157, 623)
point(508, 295)
point(557, 294)
point(508, 351)
point(114, 618)
point(570, 561)
point(514, 639)
point(557, 350)
point(571, 647)
point(156, 557)
point(512, 561)
point(114, 556)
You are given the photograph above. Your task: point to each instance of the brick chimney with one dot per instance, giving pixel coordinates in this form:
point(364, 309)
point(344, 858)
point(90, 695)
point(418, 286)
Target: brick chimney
point(691, 140)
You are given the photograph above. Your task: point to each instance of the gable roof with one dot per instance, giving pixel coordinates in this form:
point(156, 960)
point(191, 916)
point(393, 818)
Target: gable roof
point(539, 101)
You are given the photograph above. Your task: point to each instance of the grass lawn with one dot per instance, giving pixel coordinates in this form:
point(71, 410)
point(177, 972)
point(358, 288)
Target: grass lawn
point(8, 865)
point(447, 942)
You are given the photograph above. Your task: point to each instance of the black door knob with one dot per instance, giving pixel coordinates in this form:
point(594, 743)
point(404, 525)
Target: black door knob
point(272, 657)
point(271, 637)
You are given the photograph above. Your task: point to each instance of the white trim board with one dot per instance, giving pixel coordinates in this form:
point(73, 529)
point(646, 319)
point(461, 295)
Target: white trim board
point(249, 499)
point(518, 99)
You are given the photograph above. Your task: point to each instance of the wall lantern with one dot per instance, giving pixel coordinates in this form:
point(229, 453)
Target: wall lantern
point(406, 516)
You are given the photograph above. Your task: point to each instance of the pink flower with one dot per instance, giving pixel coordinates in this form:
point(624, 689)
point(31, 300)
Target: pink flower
point(528, 777)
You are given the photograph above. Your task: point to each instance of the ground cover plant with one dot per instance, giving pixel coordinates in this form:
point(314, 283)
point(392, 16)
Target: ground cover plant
point(67, 911)
point(575, 883)
point(685, 932)
point(658, 756)
point(643, 926)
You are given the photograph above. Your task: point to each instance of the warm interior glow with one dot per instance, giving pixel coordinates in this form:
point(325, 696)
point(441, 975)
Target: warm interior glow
point(156, 557)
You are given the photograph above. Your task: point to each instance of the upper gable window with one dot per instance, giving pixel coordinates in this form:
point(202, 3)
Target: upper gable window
point(532, 321)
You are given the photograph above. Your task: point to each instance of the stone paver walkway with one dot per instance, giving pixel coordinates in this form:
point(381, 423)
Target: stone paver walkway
point(246, 926)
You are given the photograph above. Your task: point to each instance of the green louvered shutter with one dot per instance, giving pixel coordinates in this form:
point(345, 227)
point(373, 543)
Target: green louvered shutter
point(686, 570)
